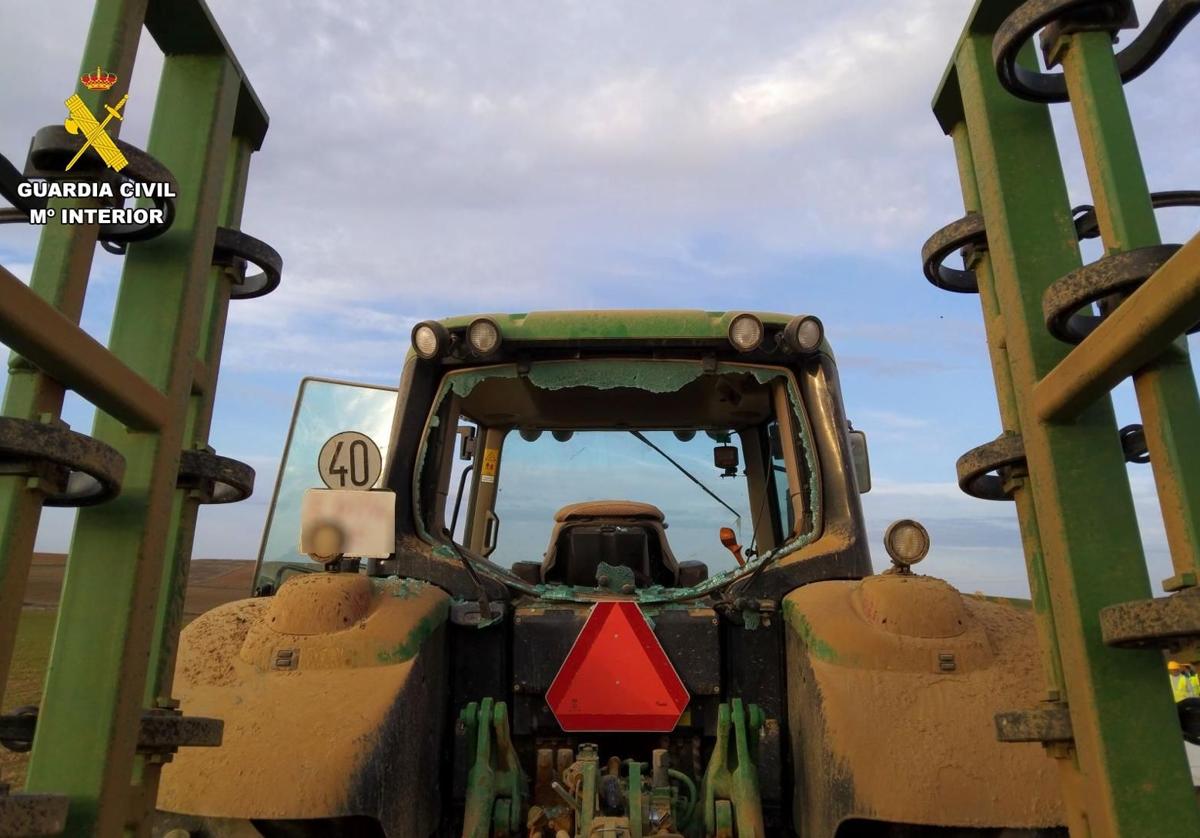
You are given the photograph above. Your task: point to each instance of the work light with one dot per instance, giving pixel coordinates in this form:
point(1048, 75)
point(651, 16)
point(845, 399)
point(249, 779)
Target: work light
point(803, 334)
point(907, 542)
point(484, 336)
point(745, 332)
point(430, 339)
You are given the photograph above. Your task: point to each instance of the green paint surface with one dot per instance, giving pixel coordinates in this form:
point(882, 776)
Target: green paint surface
point(400, 587)
point(628, 324)
point(799, 622)
point(407, 648)
point(614, 324)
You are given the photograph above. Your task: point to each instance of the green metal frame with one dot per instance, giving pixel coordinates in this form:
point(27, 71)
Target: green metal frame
point(729, 793)
point(1166, 386)
point(633, 325)
point(1123, 768)
point(119, 615)
point(495, 784)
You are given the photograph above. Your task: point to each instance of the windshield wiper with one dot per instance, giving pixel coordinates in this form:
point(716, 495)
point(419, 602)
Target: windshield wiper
point(642, 437)
point(485, 606)
point(474, 564)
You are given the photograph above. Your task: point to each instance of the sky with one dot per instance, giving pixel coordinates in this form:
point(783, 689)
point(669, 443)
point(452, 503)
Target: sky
point(432, 158)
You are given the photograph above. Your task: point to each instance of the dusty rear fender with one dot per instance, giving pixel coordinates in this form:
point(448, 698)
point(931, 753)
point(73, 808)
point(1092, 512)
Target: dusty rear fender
point(893, 683)
point(332, 693)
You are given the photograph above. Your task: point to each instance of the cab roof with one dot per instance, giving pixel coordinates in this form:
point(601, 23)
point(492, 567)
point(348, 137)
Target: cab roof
point(619, 324)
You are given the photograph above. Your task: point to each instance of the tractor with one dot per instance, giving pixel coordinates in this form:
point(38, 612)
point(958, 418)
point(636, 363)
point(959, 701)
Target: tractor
point(601, 573)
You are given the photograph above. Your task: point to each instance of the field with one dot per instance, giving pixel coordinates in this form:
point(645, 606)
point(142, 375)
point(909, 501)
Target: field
point(211, 582)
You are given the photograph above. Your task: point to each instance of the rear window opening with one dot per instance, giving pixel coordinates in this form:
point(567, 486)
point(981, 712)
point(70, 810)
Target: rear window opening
point(569, 467)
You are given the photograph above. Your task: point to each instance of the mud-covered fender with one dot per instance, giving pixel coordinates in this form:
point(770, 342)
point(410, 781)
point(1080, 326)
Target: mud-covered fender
point(893, 683)
point(332, 693)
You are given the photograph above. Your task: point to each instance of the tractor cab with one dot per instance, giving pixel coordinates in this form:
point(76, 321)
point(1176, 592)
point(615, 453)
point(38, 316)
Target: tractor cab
point(605, 467)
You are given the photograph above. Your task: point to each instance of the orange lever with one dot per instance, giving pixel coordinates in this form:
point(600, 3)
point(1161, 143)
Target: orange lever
point(729, 541)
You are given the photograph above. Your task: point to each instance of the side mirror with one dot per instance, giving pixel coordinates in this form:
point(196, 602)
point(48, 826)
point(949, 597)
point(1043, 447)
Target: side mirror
point(861, 461)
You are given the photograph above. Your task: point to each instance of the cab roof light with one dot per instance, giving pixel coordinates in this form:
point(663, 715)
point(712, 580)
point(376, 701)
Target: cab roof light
point(803, 334)
point(430, 339)
point(746, 332)
point(483, 336)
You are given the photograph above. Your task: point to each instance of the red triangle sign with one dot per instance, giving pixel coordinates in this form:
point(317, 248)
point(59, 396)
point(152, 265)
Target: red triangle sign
point(617, 678)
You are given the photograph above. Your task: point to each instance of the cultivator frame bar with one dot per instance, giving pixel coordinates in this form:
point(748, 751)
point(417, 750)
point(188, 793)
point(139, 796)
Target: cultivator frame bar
point(1108, 716)
point(91, 771)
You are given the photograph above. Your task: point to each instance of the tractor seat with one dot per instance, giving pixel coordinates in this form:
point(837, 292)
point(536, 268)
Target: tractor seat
point(631, 509)
point(615, 532)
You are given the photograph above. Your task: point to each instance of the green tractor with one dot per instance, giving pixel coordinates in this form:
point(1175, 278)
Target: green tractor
point(600, 574)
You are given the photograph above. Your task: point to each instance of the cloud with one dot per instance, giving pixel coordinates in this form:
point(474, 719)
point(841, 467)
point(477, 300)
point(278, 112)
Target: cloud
point(433, 158)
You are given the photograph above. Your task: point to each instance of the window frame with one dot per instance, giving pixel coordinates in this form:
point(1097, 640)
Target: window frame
point(803, 465)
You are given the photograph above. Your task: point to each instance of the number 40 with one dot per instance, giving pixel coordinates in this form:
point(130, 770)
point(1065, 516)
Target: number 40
point(359, 470)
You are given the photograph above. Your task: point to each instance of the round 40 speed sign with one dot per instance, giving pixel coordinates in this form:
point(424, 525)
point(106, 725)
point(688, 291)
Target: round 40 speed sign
point(350, 460)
